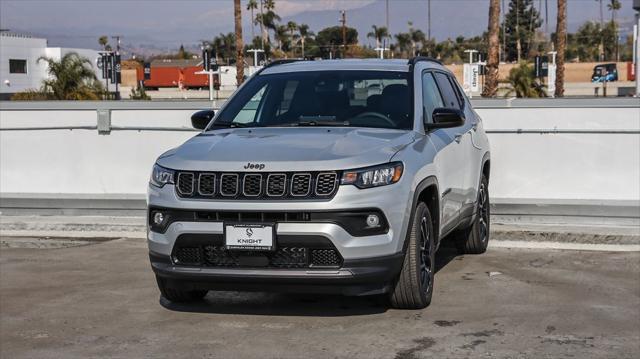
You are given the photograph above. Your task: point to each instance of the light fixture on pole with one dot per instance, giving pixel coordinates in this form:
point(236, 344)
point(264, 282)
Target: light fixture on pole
point(255, 55)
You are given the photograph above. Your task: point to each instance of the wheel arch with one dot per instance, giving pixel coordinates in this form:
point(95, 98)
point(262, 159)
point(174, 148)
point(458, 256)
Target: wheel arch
point(486, 165)
point(427, 191)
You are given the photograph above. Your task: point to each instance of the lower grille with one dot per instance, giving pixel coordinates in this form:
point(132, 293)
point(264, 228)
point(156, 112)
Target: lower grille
point(189, 255)
point(325, 258)
point(197, 250)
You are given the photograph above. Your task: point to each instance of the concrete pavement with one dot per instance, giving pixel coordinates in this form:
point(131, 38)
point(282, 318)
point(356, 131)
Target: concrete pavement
point(87, 298)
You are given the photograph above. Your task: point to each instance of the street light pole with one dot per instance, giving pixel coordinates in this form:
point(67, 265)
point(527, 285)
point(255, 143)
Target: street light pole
point(255, 55)
point(636, 34)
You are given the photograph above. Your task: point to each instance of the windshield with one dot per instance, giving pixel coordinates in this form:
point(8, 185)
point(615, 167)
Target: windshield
point(377, 99)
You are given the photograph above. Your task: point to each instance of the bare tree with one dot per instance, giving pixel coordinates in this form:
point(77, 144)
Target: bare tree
point(237, 13)
point(561, 45)
point(491, 84)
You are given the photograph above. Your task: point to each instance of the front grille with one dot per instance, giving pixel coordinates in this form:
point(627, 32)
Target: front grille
point(224, 185)
point(300, 184)
point(326, 183)
point(298, 253)
point(276, 185)
point(229, 185)
point(252, 185)
point(207, 184)
point(185, 183)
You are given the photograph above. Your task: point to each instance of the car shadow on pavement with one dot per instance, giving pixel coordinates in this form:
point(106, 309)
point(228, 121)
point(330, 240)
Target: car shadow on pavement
point(279, 304)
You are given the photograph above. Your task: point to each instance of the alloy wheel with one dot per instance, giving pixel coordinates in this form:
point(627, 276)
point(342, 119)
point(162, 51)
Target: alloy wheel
point(426, 264)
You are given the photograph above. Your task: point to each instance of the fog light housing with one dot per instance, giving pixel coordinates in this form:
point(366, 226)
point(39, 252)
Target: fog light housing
point(373, 221)
point(158, 218)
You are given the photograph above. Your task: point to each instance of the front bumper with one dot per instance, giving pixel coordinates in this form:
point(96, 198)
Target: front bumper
point(355, 277)
point(369, 263)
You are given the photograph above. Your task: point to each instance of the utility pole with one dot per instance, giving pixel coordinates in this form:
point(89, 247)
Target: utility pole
point(429, 20)
point(387, 18)
point(343, 21)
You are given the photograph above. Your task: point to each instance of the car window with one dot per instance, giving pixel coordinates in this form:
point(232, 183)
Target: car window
point(247, 113)
point(431, 98)
point(448, 94)
point(458, 90)
point(378, 99)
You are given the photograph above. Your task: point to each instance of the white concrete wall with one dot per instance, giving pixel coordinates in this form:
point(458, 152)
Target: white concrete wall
point(591, 167)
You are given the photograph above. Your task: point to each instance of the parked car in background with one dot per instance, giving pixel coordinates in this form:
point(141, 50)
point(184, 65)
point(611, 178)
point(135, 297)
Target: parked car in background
point(605, 72)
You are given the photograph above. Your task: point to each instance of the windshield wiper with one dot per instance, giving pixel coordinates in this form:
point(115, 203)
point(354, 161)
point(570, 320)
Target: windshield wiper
point(319, 121)
point(230, 124)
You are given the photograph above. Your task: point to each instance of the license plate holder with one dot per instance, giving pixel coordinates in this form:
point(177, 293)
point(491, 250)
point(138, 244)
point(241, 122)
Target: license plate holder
point(249, 236)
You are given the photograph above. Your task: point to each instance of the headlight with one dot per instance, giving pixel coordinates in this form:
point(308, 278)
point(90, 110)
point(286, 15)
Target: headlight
point(161, 176)
point(373, 176)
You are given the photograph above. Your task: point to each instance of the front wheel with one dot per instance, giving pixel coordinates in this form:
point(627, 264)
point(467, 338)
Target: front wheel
point(414, 286)
point(474, 240)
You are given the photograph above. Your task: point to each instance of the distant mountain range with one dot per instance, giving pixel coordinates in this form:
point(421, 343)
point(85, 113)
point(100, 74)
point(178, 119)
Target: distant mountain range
point(152, 27)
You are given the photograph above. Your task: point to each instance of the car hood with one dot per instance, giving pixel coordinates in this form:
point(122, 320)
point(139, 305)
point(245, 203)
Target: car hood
point(287, 149)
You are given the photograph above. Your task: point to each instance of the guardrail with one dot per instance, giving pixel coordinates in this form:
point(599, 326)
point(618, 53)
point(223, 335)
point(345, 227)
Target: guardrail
point(543, 151)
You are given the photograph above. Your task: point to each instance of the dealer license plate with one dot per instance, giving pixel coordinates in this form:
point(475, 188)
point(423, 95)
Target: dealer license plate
point(254, 237)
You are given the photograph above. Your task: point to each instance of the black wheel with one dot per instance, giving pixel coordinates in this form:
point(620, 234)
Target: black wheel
point(179, 296)
point(414, 286)
point(474, 240)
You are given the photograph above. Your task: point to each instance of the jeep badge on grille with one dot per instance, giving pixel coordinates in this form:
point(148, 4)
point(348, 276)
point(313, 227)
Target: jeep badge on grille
point(254, 166)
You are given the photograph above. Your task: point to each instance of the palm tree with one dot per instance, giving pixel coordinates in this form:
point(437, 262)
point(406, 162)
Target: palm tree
point(281, 35)
point(303, 31)
point(523, 82)
point(614, 6)
point(561, 45)
point(403, 41)
point(292, 27)
point(103, 41)
point(71, 78)
point(237, 15)
point(252, 5)
point(491, 84)
point(417, 36)
point(378, 33)
point(268, 21)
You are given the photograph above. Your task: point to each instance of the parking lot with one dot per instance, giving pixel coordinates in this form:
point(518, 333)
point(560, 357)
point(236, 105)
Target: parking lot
point(74, 299)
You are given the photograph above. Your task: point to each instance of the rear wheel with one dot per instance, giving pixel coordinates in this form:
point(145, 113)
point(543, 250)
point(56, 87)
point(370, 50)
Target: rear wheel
point(474, 240)
point(179, 296)
point(414, 286)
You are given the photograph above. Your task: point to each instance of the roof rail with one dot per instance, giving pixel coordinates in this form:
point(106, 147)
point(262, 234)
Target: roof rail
point(416, 59)
point(281, 62)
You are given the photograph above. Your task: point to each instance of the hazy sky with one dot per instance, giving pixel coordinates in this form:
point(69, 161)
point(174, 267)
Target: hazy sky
point(168, 23)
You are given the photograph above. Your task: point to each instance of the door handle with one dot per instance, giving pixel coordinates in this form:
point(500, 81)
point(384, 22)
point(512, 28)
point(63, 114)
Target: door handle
point(458, 137)
point(474, 126)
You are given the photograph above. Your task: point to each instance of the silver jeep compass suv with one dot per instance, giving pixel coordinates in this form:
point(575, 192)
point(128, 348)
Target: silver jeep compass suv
point(338, 176)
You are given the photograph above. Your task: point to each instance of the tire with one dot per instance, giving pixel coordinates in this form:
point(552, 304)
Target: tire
point(179, 296)
point(414, 286)
point(474, 240)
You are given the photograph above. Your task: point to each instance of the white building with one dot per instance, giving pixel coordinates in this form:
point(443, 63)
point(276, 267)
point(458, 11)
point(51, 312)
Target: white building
point(19, 66)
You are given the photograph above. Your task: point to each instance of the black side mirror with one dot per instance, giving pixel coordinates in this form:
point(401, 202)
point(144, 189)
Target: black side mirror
point(445, 118)
point(201, 119)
